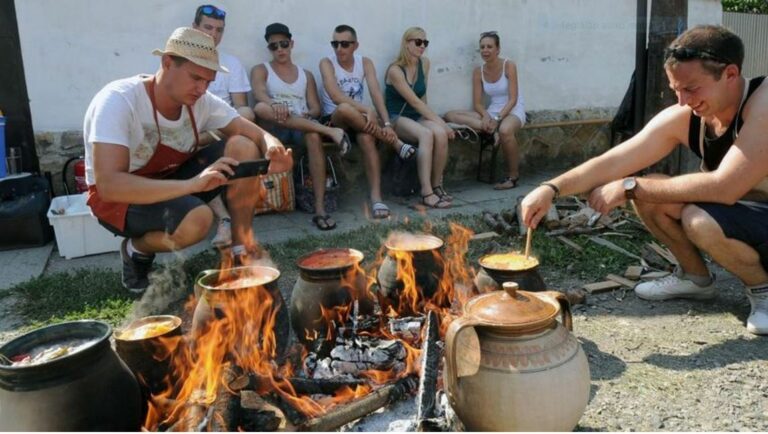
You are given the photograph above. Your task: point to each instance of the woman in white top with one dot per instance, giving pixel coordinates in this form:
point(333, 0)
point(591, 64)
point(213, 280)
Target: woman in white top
point(505, 114)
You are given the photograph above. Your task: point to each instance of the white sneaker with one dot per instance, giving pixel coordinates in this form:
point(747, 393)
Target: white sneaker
point(757, 323)
point(223, 236)
point(675, 286)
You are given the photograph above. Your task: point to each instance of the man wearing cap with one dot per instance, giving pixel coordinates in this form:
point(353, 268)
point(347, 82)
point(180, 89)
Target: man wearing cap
point(149, 178)
point(288, 104)
point(722, 210)
point(233, 88)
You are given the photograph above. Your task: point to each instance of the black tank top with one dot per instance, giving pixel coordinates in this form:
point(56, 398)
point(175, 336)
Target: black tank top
point(715, 149)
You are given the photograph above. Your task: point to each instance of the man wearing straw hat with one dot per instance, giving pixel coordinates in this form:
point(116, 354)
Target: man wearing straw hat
point(148, 178)
point(722, 210)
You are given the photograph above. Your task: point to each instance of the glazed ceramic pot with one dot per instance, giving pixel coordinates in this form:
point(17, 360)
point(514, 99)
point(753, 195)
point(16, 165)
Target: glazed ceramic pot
point(511, 366)
point(329, 281)
point(494, 272)
point(239, 290)
point(86, 390)
point(415, 258)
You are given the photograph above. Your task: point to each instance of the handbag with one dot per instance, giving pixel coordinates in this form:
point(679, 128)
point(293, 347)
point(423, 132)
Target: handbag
point(275, 193)
point(305, 195)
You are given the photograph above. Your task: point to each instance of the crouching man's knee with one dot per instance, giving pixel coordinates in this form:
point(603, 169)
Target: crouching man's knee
point(241, 148)
point(193, 228)
point(700, 227)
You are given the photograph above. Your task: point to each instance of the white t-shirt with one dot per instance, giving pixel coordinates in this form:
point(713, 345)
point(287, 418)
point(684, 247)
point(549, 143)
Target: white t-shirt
point(294, 95)
point(121, 114)
point(233, 82)
point(351, 84)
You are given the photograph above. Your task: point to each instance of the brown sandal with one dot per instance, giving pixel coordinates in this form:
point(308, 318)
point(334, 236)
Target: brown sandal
point(507, 183)
point(442, 194)
point(439, 204)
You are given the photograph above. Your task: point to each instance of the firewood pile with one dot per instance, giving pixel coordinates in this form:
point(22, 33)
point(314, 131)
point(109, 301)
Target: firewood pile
point(570, 216)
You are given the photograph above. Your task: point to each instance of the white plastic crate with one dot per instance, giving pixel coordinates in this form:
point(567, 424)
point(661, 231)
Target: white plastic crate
point(78, 233)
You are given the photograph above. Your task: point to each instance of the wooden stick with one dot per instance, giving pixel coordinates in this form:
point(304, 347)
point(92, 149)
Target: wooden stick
point(528, 237)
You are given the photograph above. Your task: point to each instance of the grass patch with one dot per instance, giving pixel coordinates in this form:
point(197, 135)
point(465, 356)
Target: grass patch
point(98, 294)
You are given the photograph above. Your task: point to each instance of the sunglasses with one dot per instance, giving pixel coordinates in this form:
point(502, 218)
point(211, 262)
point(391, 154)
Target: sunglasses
point(683, 53)
point(211, 11)
point(486, 34)
point(419, 42)
point(283, 44)
point(344, 44)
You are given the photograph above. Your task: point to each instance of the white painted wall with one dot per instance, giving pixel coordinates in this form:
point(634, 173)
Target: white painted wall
point(570, 53)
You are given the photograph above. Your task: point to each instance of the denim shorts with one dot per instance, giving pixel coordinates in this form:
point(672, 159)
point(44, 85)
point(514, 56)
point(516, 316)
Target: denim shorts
point(167, 215)
point(745, 221)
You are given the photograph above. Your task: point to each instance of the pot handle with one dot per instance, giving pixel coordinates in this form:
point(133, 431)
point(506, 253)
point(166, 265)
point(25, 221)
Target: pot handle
point(565, 308)
point(199, 290)
point(451, 370)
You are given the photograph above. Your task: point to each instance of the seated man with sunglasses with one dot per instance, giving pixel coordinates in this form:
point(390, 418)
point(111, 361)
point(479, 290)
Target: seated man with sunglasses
point(233, 88)
point(149, 177)
point(723, 209)
point(345, 75)
point(289, 105)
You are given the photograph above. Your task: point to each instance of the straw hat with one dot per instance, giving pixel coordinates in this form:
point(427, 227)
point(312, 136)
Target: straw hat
point(193, 45)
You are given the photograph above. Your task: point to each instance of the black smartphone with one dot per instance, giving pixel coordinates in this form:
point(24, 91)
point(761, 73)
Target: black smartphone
point(246, 169)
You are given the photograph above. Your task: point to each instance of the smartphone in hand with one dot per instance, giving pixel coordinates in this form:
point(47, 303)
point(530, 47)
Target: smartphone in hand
point(247, 169)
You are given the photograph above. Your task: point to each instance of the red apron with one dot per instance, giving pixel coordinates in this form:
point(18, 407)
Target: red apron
point(163, 162)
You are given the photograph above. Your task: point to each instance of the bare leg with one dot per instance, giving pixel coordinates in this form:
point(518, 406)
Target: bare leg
point(372, 166)
point(415, 132)
point(192, 229)
point(347, 116)
point(734, 255)
point(264, 111)
point(316, 157)
point(440, 153)
point(241, 194)
point(509, 127)
point(471, 119)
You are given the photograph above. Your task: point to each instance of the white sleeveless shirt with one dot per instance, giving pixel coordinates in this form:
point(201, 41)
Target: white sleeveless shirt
point(351, 84)
point(498, 92)
point(294, 95)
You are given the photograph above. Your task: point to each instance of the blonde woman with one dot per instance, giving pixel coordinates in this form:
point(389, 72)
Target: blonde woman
point(505, 115)
point(406, 100)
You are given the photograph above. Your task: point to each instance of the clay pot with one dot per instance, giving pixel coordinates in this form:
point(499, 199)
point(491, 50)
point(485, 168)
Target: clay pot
point(422, 255)
point(492, 275)
point(149, 356)
point(88, 390)
point(328, 279)
point(219, 291)
point(511, 366)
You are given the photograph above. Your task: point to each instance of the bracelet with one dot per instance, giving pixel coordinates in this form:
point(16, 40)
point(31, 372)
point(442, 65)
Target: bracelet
point(553, 187)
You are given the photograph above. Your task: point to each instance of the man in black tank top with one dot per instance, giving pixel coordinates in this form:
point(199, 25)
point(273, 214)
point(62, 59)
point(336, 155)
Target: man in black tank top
point(721, 210)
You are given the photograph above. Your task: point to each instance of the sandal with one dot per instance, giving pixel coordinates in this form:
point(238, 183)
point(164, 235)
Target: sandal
point(322, 222)
point(379, 210)
point(344, 145)
point(442, 194)
point(507, 183)
point(406, 151)
point(439, 204)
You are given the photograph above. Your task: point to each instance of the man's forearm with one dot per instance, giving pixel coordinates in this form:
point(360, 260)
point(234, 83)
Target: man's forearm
point(693, 187)
point(139, 190)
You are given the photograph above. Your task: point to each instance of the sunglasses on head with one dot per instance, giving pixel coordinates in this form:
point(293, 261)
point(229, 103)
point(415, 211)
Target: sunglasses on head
point(285, 43)
point(419, 42)
point(211, 11)
point(344, 44)
point(683, 54)
point(486, 34)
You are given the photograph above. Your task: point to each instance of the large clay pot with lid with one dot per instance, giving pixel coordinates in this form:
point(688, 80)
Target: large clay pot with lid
point(511, 366)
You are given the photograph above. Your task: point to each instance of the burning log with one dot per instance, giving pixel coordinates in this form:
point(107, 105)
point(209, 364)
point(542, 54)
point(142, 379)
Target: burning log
point(325, 386)
point(407, 327)
point(430, 366)
point(227, 403)
point(259, 415)
point(343, 414)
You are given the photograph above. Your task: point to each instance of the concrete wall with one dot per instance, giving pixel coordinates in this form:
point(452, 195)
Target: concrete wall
point(571, 54)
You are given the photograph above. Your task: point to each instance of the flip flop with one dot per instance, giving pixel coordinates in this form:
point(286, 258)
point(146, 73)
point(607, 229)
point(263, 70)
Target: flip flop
point(406, 151)
point(440, 204)
point(321, 221)
point(379, 210)
point(506, 184)
point(345, 145)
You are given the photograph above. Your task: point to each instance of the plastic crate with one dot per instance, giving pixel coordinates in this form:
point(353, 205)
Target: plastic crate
point(78, 233)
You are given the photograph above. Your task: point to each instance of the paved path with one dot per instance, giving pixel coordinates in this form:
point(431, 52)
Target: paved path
point(470, 197)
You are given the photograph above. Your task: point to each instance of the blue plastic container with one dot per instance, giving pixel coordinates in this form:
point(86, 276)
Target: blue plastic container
point(3, 171)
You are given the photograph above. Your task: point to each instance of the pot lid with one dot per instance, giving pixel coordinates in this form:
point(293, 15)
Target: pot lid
point(518, 311)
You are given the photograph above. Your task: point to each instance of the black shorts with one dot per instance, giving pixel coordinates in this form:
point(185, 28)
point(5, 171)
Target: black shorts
point(745, 221)
point(167, 215)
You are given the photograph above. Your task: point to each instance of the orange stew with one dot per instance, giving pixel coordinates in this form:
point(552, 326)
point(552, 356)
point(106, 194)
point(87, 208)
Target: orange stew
point(244, 282)
point(149, 330)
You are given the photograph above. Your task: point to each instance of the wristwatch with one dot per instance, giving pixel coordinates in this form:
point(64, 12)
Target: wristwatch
point(387, 124)
point(629, 185)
